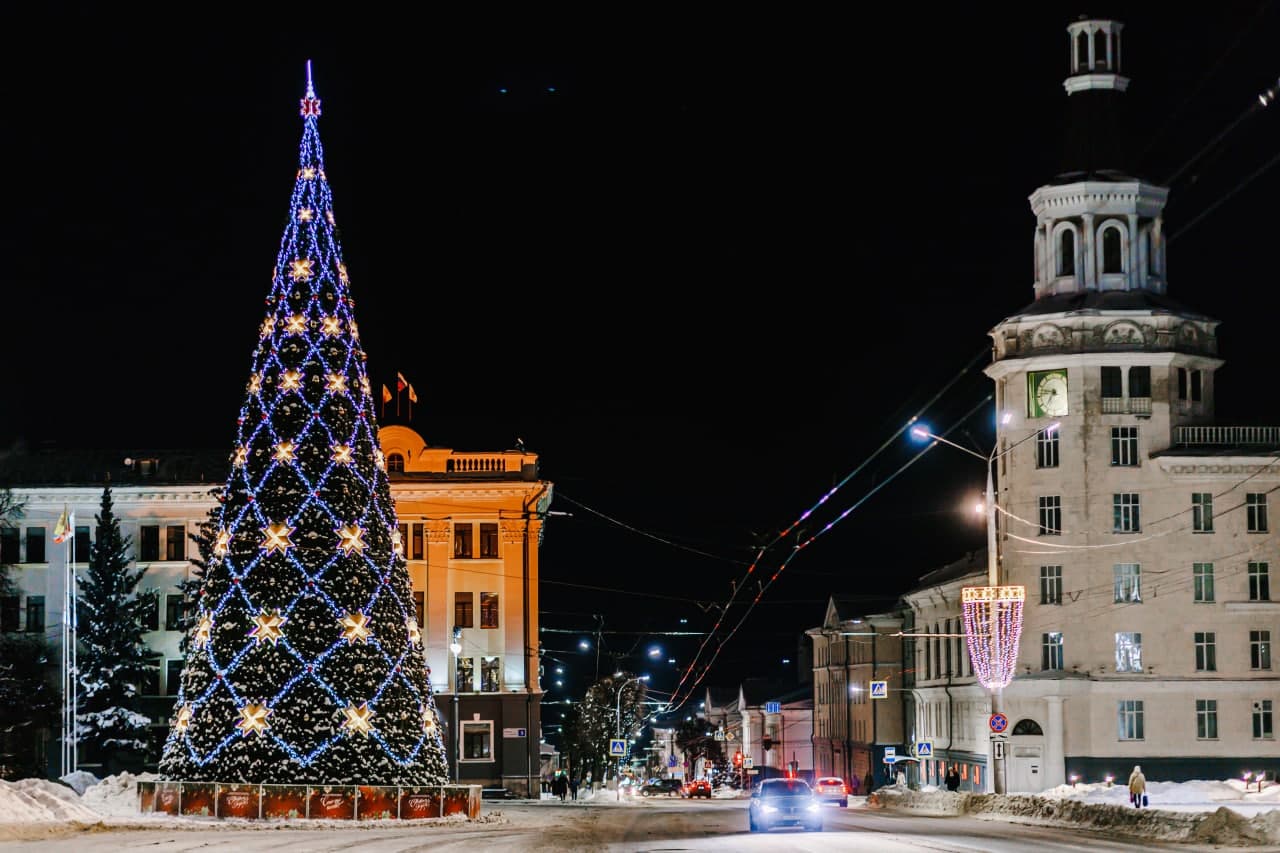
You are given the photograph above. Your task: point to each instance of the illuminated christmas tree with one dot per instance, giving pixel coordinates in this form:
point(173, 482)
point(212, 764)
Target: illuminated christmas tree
point(305, 663)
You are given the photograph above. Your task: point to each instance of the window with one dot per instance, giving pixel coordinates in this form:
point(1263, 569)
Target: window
point(1202, 575)
point(1112, 256)
point(464, 675)
point(1125, 513)
point(1140, 381)
point(1124, 445)
point(1259, 582)
point(1202, 512)
point(489, 541)
point(173, 607)
point(1067, 252)
point(1051, 515)
point(488, 610)
point(8, 545)
point(415, 551)
point(172, 677)
point(1051, 650)
point(462, 541)
point(150, 618)
point(149, 684)
point(81, 545)
point(1047, 449)
point(395, 463)
point(1112, 385)
point(1262, 720)
point(1207, 719)
point(35, 545)
point(1190, 384)
point(1256, 507)
point(1260, 650)
point(489, 669)
point(10, 606)
point(1130, 719)
point(1206, 651)
point(420, 607)
point(175, 542)
point(1128, 582)
point(1128, 651)
point(1051, 584)
point(149, 543)
point(477, 741)
point(35, 614)
point(1182, 383)
point(1197, 390)
point(463, 615)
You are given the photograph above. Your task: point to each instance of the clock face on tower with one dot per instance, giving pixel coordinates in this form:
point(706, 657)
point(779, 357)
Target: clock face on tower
point(1047, 393)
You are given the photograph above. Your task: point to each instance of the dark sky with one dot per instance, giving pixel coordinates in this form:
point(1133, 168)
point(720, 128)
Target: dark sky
point(705, 277)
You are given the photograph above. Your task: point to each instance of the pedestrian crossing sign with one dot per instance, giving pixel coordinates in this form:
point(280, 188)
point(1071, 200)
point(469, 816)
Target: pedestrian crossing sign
point(879, 690)
point(924, 749)
point(617, 747)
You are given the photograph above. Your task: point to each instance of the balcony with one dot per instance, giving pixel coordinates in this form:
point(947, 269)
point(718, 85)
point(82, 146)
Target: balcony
point(1126, 405)
point(1226, 436)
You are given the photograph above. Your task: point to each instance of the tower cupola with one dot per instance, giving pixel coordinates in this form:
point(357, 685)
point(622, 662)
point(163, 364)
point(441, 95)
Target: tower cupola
point(1095, 56)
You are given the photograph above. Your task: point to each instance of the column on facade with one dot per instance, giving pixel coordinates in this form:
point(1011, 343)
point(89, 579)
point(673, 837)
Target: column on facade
point(1157, 246)
point(1135, 271)
point(1055, 756)
point(514, 653)
point(439, 615)
point(1089, 262)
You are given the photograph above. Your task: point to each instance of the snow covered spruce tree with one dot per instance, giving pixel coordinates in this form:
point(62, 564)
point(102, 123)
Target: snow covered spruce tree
point(305, 663)
point(113, 658)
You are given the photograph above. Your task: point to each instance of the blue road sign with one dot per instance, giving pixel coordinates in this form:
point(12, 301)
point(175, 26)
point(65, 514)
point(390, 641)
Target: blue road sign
point(879, 690)
point(773, 707)
point(924, 749)
point(671, 761)
point(617, 747)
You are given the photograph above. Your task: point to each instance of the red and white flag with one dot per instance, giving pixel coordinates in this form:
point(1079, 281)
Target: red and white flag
point(401, 383)
point(65, 528)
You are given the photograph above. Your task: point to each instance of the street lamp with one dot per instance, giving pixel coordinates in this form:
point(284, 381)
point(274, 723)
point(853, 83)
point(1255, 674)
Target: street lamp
point(455, 646)
point(617, 721)
point(992, 613)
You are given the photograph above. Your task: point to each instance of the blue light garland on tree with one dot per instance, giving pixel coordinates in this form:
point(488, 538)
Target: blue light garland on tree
point(305, 662)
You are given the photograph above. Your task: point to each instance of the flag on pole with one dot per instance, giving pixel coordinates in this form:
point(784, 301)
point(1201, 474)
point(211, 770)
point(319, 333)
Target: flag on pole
point(65, 527)
point(386, 394)
point(401, 383)
point(413, 398)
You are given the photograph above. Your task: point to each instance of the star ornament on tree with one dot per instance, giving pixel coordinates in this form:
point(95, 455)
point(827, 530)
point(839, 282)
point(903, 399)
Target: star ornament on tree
point(307, 174)
point(331, 327)
point(183, 722)
point(341, 454)
point(238, 459)
point(267, 627)
point(301, 269)
point(291, 380)
point(268, 326)
point(222, 543)
point(415, 633)
point(357, 721)
point(253, 719)
point(305, 214)
point(204, 629)
point(397, 542)
point(284, 451)
point(342, 274)
point(337, 383)
point(255, 383)
point(352, 537)
point(355, 626)
point(277, 537)
point(297, 325)
point(310, 107)
point(428, 720)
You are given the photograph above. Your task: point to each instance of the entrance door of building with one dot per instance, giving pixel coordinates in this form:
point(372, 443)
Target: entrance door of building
point(1026, 759)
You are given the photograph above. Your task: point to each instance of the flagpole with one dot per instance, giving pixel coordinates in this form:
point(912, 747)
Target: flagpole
point(75, 658)
point(66, 660)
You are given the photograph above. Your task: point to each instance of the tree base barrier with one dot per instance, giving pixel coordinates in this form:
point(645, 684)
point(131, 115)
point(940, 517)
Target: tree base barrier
point(303, 802)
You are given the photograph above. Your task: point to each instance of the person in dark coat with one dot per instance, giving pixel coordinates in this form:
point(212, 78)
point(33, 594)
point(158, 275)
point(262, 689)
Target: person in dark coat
point(953, 779)
point(573, 787)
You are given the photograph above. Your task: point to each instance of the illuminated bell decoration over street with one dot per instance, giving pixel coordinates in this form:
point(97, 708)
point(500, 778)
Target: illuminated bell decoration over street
point(357, 721)
point(253, 719)
point(267, 627)
point(355, 627)
point(992, 629)
point(277, 537)
point(184, 719)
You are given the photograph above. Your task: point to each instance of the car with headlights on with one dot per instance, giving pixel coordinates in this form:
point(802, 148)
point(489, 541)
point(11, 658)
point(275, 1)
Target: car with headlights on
point(784, 802)
point(831, 789)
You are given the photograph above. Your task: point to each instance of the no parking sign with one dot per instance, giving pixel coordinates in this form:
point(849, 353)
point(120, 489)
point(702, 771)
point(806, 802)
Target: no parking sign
point(998, 722)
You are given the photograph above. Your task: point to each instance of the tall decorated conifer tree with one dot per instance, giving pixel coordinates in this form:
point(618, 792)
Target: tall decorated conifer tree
point(305, 663)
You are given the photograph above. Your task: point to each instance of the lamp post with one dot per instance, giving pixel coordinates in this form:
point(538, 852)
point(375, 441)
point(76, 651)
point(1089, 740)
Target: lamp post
point(992, 614)
point(617, 722)
point(455, 646)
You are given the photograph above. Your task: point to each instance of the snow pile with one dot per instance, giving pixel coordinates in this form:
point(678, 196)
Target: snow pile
point(80, 780)
point(117, 796)
point(41, 801)
point(1203, 824)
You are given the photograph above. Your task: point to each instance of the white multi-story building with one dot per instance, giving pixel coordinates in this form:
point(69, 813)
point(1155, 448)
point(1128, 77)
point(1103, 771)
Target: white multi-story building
point(472, 524)
point(1141, 529)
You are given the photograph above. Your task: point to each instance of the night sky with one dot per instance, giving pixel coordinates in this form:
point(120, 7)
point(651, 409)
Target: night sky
point(703, 264)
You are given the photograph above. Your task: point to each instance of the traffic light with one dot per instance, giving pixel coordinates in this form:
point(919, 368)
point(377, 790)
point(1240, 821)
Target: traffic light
point(737, 759)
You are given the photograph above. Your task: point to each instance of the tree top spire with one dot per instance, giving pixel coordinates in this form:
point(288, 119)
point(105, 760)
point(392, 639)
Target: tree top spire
point(310, 104)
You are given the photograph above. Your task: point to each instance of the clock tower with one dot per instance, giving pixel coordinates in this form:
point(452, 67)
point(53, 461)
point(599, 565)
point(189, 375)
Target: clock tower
point(1124, 370)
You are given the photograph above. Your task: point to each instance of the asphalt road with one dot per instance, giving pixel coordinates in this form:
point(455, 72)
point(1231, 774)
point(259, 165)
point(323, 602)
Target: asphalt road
point(653, 826)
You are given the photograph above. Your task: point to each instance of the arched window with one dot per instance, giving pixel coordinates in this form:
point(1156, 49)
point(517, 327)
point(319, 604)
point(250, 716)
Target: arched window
point(1027, 727)
point(395, 462)
point(1082, 52)
point(1112, 256)
point(1099, 49)
point(1067, 252)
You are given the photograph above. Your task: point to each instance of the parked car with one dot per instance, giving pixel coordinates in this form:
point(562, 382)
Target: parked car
point(698, 788)
point(832, 789)
point(662, 788)
point(784, 802)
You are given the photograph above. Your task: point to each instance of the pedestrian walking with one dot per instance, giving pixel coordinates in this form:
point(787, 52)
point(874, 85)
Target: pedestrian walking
point(560, 786)
point(853, 785)
point(1137, 787)
point(573, 787)
point(953, 779)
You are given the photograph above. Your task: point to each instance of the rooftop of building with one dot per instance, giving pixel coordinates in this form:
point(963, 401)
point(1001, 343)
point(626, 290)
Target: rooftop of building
point(1097, 301)
point(51, 466)
point(972, 563)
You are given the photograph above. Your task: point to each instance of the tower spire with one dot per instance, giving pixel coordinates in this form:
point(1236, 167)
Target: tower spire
point(310, 104)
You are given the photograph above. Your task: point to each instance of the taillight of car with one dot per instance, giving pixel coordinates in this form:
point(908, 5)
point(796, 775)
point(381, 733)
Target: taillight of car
point(846, 788)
